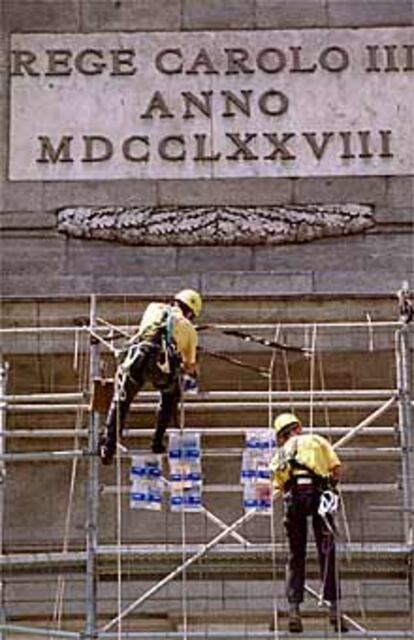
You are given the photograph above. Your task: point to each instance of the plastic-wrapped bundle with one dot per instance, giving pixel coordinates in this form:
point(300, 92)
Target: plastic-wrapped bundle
point(255, 473)
point(146, 483)
point(185, 479)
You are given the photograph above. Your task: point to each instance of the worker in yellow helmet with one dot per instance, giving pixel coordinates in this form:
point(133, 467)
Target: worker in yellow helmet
point(306, 469)
point(163, 352)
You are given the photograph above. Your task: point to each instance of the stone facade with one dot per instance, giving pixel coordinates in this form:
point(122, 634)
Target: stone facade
point(47, 277)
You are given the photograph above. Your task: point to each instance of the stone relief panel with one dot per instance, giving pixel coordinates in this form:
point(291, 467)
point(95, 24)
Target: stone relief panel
point(212, 225)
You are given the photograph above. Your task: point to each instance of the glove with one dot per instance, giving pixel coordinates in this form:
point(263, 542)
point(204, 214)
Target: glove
point(190, 383)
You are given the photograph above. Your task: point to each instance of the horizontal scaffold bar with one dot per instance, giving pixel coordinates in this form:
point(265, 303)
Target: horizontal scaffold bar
point(357, 453)
point(152, 553)
point(242, 327)
point(197, 407)
point(211, 634)
point(204, 431)
point(331, 394)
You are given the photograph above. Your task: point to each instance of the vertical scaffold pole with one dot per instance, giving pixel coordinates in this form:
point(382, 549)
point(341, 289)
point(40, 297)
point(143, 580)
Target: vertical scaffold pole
point(405, 424)
point(92, 491)
point(406, 428)
point(3, 409)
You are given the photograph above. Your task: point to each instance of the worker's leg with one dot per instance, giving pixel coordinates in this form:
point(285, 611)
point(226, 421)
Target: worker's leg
point(325, 543)
point(167, 414)
point(296, 528)
point(121, 401)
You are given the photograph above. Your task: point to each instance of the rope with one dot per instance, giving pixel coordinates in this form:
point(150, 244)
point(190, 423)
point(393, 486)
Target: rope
point(272, 512)
point(312, 377)
point(184, 602)
point(118, 382)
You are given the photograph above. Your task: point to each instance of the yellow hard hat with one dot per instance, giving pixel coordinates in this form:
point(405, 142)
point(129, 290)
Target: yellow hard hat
point(191, 299)
point(285, 420)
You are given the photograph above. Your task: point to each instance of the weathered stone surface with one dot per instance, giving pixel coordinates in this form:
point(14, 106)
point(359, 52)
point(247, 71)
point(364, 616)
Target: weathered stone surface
point(163, 285)
point(236, 192)
point(368, 252)
point(216, 14)
point(341, 189)
point(258, 283)
point(369, 13)
point(22, 196)
point(213, 225)
point(23, 220)
point(129, 15)
point(41, 15)
point(400, 191)
point(203, 259)
point(284, 14)
point(99, 193)
point(49, 284)
point(103, 258)
point(379, 281)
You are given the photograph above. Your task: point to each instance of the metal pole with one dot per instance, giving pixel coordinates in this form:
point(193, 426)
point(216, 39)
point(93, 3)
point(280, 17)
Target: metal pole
point(3, 409)
point(37, 631)
point(365, 423)
point(179, 570)
point(92, 492)
point(201, 407)
point(405, 425)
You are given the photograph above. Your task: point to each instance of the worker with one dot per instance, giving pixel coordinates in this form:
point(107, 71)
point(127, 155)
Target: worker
point(163, 352)
point(306, 469)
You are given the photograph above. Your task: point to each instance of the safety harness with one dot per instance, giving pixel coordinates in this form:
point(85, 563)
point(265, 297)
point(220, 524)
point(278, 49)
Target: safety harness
point(329, 500)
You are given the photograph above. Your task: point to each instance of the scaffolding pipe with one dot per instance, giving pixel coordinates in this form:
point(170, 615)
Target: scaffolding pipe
point(346, 617)
point(179, 570)
point(52, 434)
point(37, 631)
point(3, 410)
point(16, 399)
point(92, 497)
point(365, 423)
point(242, 327)
point(405, 423)
point(369, 552)
point(201, 407)
point(240, 634)
point(65, 456)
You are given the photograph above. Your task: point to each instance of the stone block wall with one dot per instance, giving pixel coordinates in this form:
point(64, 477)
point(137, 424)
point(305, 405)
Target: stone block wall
point(48, 263)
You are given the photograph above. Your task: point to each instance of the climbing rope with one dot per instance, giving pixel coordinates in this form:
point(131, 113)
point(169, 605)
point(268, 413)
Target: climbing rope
point(272, 365)
point(184, 602)
point(312, 377)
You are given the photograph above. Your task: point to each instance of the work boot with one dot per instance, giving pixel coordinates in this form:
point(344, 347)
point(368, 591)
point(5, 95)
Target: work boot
point(295, 621)
point(336, 620)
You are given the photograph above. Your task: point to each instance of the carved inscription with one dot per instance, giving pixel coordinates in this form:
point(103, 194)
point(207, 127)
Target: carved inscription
point(212, 104)
point(213, 225)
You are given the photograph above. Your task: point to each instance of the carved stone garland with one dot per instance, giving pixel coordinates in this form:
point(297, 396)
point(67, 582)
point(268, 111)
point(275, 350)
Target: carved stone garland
point(212, 225)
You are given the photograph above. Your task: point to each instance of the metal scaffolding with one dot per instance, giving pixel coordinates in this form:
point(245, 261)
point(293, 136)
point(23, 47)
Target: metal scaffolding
point(377, 402)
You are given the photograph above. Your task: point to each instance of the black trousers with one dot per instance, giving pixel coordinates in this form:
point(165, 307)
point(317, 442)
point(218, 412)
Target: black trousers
point(301, 504)
point(144, 368)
